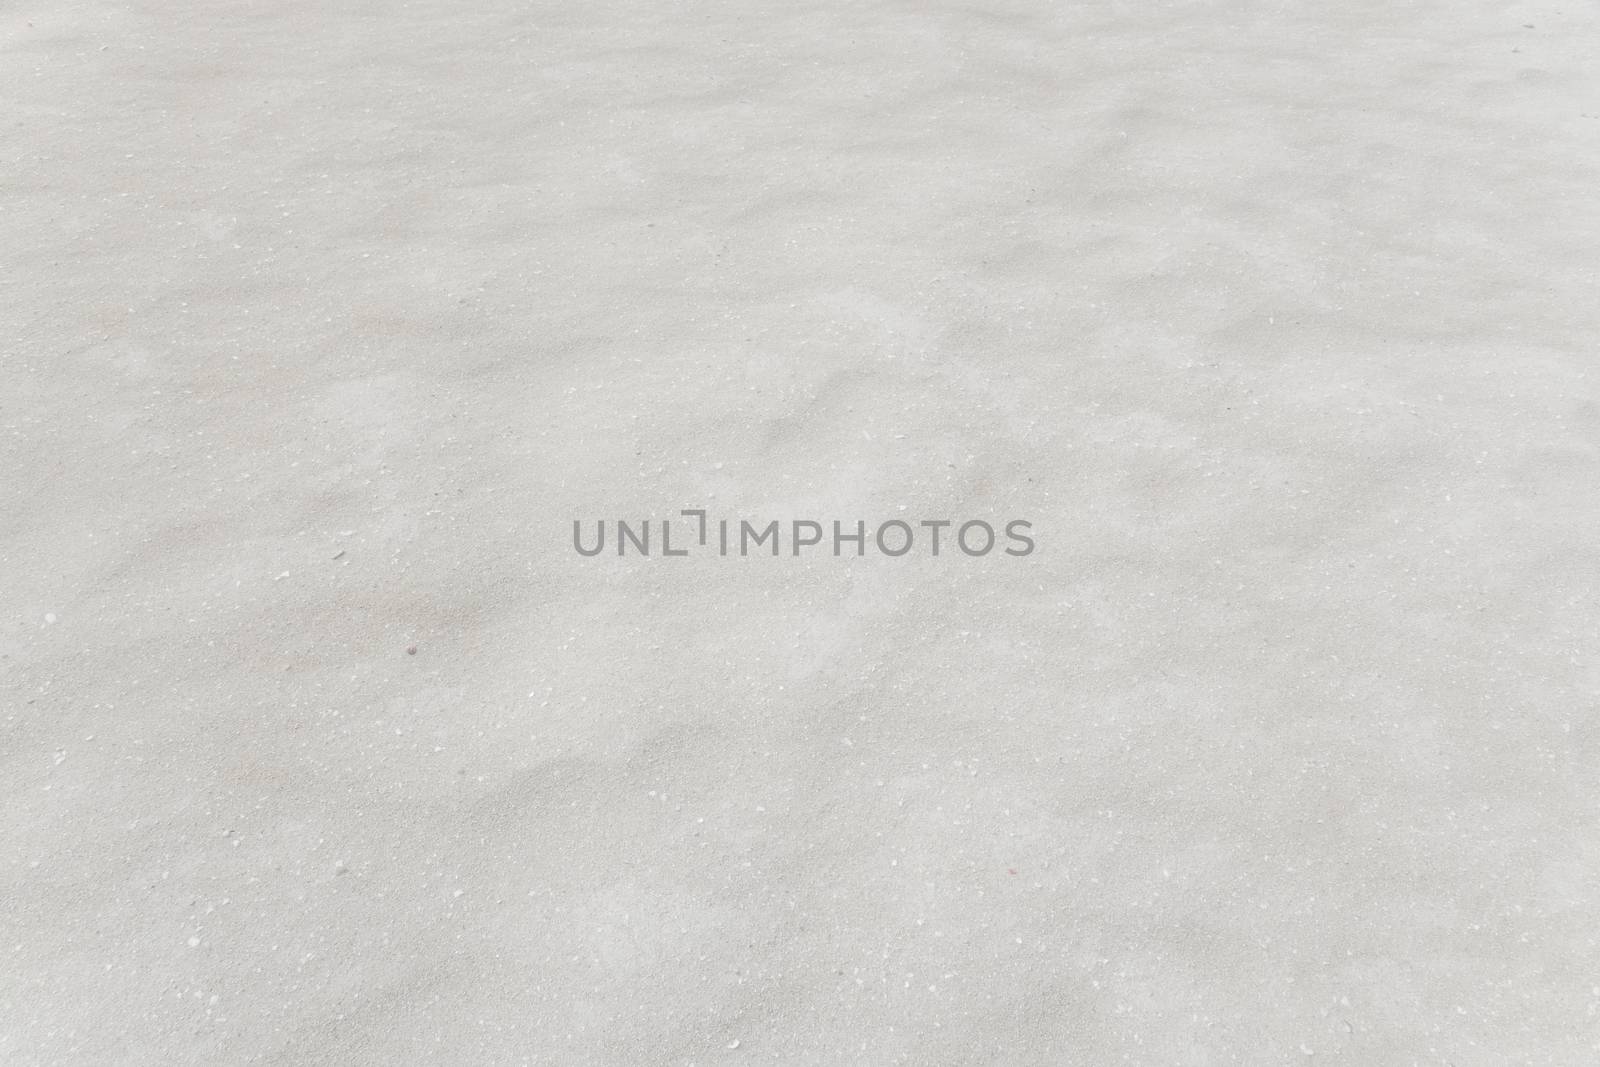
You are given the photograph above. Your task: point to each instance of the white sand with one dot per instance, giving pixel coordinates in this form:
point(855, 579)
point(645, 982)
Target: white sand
point(1279, 320)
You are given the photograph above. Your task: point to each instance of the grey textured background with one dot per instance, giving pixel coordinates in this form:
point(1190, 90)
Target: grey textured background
point(1278, 319)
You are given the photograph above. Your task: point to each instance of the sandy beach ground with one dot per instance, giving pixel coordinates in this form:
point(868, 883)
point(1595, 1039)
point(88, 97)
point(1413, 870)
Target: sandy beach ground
point(320, 323)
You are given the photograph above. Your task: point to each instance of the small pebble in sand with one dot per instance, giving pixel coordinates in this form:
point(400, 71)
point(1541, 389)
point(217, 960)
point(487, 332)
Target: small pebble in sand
point(411, 650)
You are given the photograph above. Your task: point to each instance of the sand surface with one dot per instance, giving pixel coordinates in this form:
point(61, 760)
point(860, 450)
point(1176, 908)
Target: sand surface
point(320, 323)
